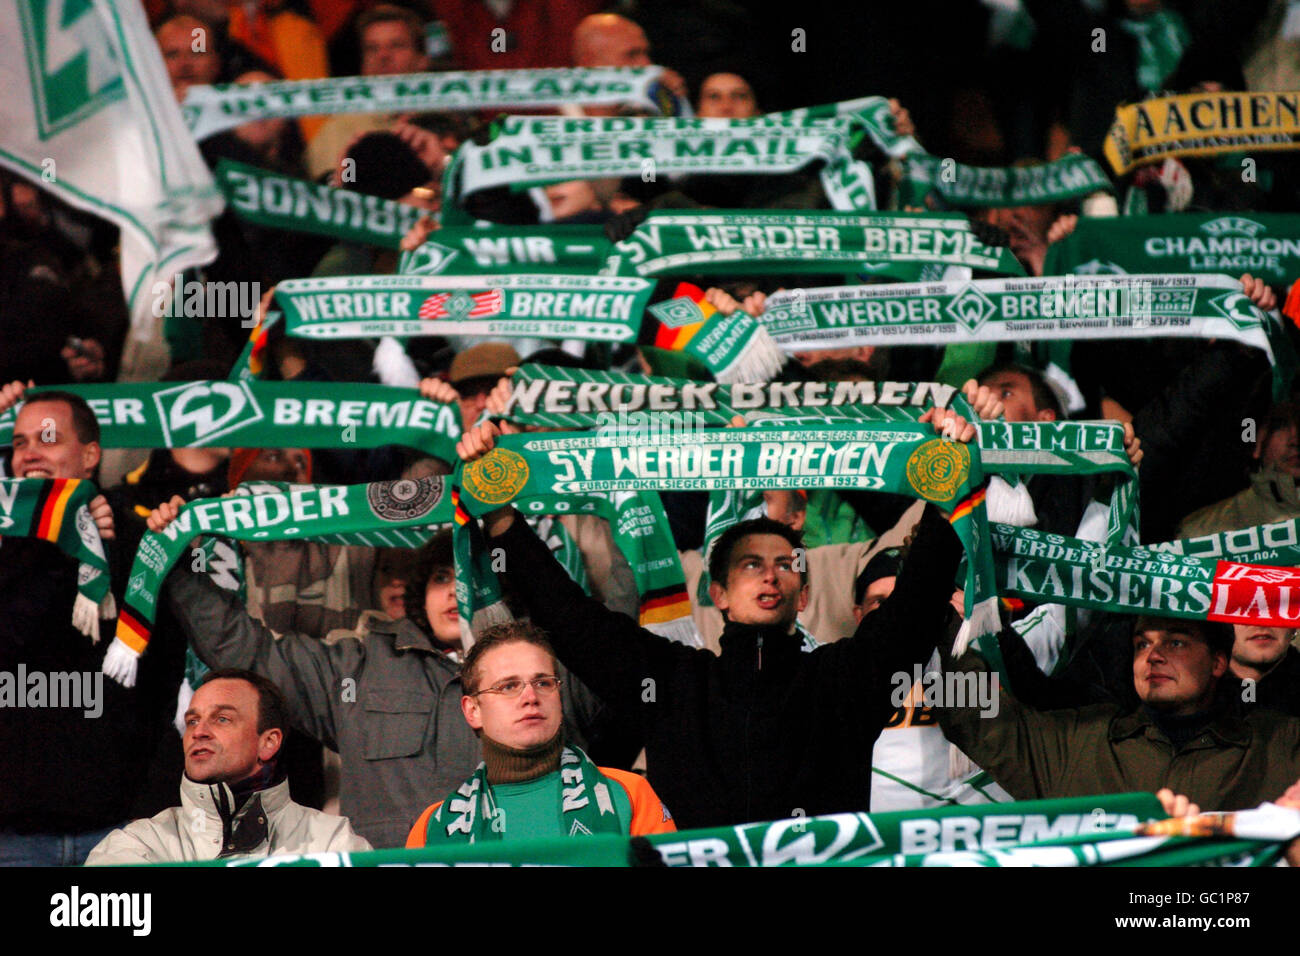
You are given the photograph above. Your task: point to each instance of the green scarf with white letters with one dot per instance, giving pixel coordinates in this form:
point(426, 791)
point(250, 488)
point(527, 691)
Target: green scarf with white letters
point(960, 186)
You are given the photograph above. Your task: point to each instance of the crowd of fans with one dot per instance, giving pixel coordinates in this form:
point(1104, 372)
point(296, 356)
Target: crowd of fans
point(340, 684)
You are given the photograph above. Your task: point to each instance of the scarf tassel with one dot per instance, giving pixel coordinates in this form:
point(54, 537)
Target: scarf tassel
point(121, 663)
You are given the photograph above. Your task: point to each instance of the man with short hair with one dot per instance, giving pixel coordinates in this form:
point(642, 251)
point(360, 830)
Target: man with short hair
point(727, 95)
point(70, 772)
point(1268, 666)
point(1184, 734)
point(234, 794)
point(531, 784)
point(765, 730)
point(392, 42)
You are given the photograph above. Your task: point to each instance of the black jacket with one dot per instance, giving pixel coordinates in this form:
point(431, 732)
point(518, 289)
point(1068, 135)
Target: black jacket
point(763, 731)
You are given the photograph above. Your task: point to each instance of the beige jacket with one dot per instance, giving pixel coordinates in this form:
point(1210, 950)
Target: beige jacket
point(268, 823)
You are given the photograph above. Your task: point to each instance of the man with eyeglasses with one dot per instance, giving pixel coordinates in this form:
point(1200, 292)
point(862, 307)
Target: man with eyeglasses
point(530, 784)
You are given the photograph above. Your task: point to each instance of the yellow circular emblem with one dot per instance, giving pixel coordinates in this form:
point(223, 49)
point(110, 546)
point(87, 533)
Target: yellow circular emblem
point(497, 477)
point(937, 468)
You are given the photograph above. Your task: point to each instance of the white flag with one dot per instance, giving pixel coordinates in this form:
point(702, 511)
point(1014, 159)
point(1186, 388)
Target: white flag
point(88, 113)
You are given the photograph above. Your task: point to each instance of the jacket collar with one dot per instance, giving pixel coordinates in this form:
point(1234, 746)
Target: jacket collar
point(406, 636)
point(214, 797)
point(1224, 729)
point(1278, 489)
point(778, 645)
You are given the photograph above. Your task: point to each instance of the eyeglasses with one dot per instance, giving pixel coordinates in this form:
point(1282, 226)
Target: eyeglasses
point(513, 688)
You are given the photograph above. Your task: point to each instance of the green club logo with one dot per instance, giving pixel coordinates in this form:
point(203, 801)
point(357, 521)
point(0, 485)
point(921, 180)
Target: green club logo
point(970, 308)
point(1237, 308)
point(676, 313)
point(430, 259)
point(458, 306)
point(196, 413)
point(74, 69)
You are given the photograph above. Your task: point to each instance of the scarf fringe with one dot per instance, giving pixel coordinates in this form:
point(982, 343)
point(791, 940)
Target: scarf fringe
point(484, 617)
point(393, 365)
point(121, 663)
point(761, 360)
point(1010, 504)
point(85, 617)
point(983, 620)
point(682, 630)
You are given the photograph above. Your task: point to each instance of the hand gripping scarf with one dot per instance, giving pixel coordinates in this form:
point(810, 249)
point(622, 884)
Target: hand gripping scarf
point(212, 109)
point(469, 814)
point(58, 510)
point(1001, 310)
point(903, 458)
point(1201, 124)
point(252, 414)
point(382, 514)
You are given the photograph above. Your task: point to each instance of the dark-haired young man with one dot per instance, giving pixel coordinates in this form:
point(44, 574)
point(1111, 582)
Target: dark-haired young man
point(532, 784)
point(1184, 734)
point(234, 794)
point(764, 730)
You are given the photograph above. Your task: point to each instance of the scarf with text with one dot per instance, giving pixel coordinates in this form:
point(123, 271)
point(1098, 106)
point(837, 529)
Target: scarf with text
point(383, 514)
point(58, 510)
point(733, 347)
point(469, 814)
point(594, 308)
point(1263, 244)
point(898, 457)
point(1001, 310)
point(492, 249)
point(960, 186)
point(529, 151)
point(1128, 829)
point(904, 246)
point(284, 202)
point(253, 414)
point(212, 109)
point(1201, 124)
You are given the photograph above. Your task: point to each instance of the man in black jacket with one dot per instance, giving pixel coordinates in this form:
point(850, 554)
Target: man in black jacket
point(764, 730)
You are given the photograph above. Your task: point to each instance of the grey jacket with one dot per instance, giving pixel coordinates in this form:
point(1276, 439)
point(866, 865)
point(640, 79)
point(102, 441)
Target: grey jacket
point(382, 696)
point(268, 823)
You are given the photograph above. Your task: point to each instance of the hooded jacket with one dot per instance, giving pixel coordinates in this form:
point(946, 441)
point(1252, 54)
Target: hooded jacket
point(762, 730)
point(209, 824)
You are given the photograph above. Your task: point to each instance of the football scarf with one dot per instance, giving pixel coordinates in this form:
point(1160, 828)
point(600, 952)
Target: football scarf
point(491, 249)
point(594, 308)
point(212, 109)
point(297, 205)
point(1263, 244)
point(899, 457)
point(1000, 310)
point(58, 510)
point(734, 348)
point(898, 245)
point(263, 415)
point(469, 814)
point(383, 514)
point(1128, 829)
point(528, 151)
point(959, 186)
point(1201, 124)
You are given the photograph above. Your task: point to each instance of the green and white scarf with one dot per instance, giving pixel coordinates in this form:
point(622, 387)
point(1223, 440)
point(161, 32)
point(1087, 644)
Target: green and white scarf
point(297, 205)
point(871, 114)
point(1162, 38)
point(537, 150)
point(469, 814)
point(595, 308)
point(253, 414)
point(383, 514)
point(960, 186)
point(212, 109)
point(490, 249)
point(1002, 310)
point(902, 458)
point(1127, 829)
point(809, 243)
point(1263, 244)
point(639, 527)
point(1201, 124)
point(58, 510)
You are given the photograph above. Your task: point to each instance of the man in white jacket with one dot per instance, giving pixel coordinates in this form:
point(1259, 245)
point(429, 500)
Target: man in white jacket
point(234, 797)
